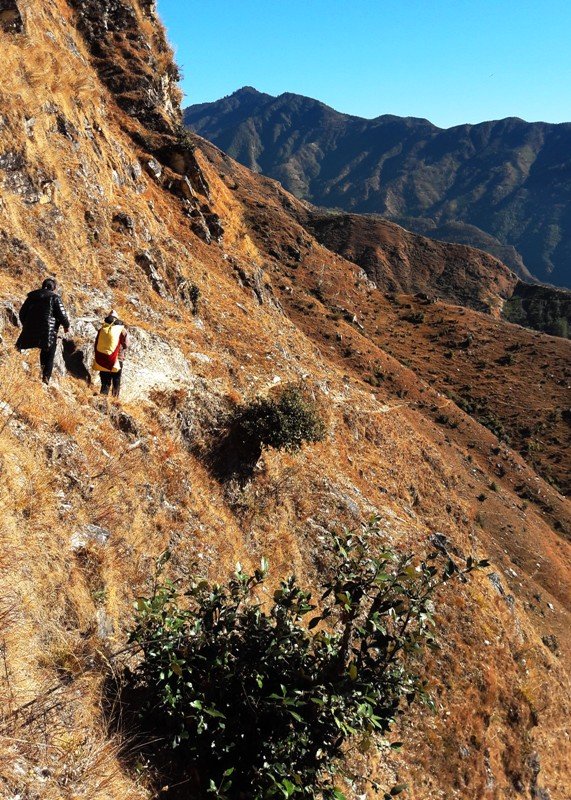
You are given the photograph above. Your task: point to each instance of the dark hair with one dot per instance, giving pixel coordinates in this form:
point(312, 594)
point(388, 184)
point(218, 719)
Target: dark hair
point(49, 284)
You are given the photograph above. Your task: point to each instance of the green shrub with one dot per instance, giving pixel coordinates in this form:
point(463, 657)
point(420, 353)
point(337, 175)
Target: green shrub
point(560, 327)
point(241, 698)
point(285, 422)
point(513, 311)
point(416, 317)
point(506, 360)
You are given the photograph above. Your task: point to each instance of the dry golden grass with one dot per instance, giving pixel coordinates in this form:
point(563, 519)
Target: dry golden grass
point(64, 464)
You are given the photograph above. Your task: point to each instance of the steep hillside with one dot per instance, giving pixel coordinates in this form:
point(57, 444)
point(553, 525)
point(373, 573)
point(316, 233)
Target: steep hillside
point(485, 365)
point(399, 261)
point(228, 296)
point(502, 186)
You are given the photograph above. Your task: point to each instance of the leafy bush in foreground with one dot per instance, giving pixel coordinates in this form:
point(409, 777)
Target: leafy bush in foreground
point(244, 701)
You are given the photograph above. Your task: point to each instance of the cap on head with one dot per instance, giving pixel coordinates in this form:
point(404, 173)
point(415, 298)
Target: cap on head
point(113, 313)
point(49, 284)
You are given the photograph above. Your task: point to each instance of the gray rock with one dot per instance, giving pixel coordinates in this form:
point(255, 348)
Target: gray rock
point(202, 357)
point(199, 226)
point(123, 223)
point(89, 533)
point(149, 7)
point(16, 178)
point(152, 363)
point(11, 315)
point(186, 189)
point(136, 171)
point(105, 627)
point(147, 263)
point(551, 642)
point(154, 169)
point(494, 579)
point(29, 126)
point(214, 225)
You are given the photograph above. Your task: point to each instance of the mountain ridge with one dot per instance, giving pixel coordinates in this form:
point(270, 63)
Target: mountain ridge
point(501, 183)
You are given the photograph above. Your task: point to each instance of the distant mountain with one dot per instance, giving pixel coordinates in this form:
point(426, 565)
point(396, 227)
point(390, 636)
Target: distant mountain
point(502, 186)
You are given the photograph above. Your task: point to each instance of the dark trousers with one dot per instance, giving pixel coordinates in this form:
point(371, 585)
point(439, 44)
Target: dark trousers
point(47, 361)
point(109, 378)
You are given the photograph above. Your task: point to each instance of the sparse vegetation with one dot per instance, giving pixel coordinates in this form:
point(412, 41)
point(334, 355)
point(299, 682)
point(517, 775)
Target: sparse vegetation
point(506, 360)
point(377, 376)
point(415, 317)
point(241, 699)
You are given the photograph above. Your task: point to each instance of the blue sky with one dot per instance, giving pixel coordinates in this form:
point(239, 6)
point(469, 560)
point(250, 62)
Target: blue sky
point(451, 61)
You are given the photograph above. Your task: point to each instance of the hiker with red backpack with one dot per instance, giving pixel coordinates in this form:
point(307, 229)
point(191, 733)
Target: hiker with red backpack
point(41, 316)
point(110, 345)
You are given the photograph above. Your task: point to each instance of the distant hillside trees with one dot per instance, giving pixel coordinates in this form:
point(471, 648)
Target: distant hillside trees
point(503, 186)
point(541, 308)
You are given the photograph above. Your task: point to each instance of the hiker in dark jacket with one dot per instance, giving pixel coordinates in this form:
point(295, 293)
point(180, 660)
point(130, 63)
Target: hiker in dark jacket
point(41, 316)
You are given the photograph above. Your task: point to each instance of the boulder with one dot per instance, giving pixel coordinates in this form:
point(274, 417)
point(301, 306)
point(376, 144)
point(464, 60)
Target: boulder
point(152, 364)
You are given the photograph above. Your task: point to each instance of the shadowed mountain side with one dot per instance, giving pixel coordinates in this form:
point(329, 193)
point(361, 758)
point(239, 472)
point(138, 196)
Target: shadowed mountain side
point(540, 307)
point(509, 179)
point(399, 261)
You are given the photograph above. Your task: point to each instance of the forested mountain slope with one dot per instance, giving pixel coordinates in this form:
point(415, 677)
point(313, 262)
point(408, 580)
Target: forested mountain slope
point(503, 186)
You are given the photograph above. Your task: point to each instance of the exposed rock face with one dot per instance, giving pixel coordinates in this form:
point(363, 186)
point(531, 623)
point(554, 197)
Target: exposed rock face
point(153, 364)
point(32, 185)
point(147, 263)
point(494, 185)
point(138, 69)
point(143, 79)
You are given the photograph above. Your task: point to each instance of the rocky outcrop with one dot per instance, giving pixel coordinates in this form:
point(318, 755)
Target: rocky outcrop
point(32, 185)
point(140, 74)
point(147, 263)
